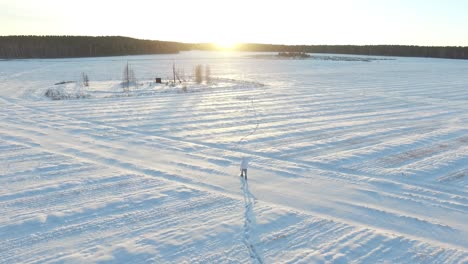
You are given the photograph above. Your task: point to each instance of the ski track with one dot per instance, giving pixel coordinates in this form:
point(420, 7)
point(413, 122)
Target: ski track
point(341, 173)
point(249, 222)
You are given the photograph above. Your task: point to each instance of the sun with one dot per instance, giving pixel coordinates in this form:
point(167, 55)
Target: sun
point(225, 45)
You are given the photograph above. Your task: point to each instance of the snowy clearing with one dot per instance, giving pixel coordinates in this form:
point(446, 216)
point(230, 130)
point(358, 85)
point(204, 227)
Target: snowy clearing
point(352, 161)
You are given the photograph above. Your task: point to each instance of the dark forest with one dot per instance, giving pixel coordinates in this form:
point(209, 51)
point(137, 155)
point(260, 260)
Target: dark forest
point(23, 47)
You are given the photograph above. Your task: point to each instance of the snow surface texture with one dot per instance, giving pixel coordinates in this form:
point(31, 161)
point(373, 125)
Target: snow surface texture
point(350, 162)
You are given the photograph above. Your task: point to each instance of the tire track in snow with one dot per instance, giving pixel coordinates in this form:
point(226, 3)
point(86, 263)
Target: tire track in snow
point(249, 220)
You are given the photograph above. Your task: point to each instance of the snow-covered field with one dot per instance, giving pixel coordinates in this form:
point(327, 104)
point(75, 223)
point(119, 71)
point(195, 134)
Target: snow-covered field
point(350, 161)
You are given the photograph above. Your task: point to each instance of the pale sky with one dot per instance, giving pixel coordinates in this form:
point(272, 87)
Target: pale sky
point(413, 22)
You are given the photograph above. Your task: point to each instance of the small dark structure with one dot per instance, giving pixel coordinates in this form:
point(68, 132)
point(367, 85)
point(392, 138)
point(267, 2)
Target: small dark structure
point(158, 80)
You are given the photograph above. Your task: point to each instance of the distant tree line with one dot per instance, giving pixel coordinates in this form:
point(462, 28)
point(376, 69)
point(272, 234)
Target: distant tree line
point(83, 46)
point(450, 52)
point(78, 46)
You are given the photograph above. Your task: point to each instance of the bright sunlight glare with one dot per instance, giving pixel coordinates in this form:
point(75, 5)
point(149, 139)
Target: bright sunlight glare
point(226, 45)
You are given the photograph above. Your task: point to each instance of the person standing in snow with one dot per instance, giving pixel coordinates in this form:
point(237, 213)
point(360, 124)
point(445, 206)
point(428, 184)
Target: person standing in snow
point(243, 167)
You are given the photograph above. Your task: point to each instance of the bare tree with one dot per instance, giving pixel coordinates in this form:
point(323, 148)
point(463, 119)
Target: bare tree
point(207, 74)
point(180, 73)
point(173, 72)
point(84, 79)
point(128, 78)
point(198, 74)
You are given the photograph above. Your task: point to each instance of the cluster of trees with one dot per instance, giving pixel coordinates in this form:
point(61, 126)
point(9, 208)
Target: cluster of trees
point(78, 46)
point(293, 54)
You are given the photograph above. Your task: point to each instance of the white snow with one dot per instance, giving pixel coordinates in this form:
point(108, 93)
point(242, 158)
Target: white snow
point(351, 161)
